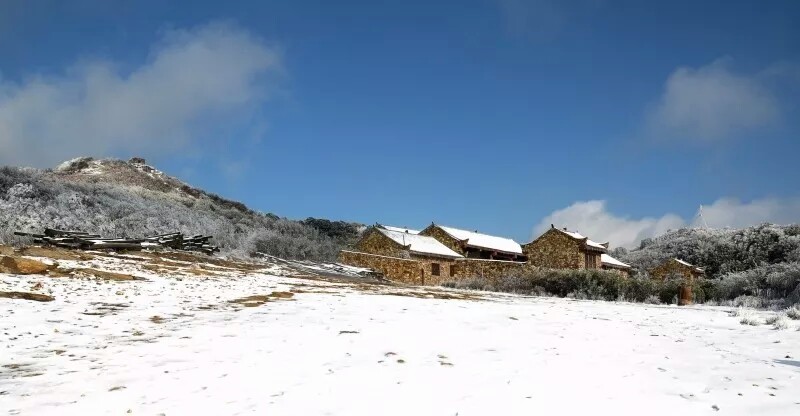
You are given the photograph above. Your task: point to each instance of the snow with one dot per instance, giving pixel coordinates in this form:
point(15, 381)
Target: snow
point(343, 349)
point(688, 264)
point(606, 259)
point(578, 236)
point(420, 244)
point(399, 229)
point(486, 241)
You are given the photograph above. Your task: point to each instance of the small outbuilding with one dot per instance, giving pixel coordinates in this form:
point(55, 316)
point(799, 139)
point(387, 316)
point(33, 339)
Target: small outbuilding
point(676, 267)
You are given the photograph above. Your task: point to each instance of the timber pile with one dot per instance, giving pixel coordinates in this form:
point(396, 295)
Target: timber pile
point(84, 241)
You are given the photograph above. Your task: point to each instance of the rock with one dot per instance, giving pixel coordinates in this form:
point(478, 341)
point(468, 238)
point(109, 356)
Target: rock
point(27, 296)
point(20, 265)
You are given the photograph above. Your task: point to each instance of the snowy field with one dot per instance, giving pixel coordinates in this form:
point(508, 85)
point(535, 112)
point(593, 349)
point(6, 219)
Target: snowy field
point(179, 346)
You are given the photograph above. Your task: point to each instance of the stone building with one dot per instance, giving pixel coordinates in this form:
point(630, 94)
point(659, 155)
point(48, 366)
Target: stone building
point(610, 263)
point(403, 256)
point(475, 245)
point(428, 257)
point(562, 249)
point(676, 268)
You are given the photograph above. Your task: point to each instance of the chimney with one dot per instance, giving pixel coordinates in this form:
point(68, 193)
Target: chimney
point(552, 226)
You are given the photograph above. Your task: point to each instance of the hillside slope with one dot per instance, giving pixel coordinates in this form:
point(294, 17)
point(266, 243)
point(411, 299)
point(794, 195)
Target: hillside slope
point(133, 199)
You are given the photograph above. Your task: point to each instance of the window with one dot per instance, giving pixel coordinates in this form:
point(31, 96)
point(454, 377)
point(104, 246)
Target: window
point(434, 269)
point(590, 261)
point(452, 270)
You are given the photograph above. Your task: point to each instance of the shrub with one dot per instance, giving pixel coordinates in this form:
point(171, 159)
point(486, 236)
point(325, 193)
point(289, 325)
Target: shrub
point(747, 317)
point(793, 312)
point(653, 300)
point(778, 321)
point(578, 284)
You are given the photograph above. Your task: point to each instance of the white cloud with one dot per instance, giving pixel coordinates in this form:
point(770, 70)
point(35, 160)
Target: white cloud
point(592, 219)
point(728, 212)
point(190, 78)
point(711, 103)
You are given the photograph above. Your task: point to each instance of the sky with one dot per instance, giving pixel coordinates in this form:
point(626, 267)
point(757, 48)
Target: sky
point(617, 119)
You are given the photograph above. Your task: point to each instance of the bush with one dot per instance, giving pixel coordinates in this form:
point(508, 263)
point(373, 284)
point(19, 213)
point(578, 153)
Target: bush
point(778, 321)
point(793, 312)
point(747, 317)
point(653, 300)
point(578, 284)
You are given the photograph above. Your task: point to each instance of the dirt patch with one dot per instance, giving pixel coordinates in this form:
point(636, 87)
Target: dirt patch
point(433, 295)
point(258, 300)
point(20, 265)
point(55, 253)
point(157, 319)
point(104, 275)
point(6, 250)
point(38, 297)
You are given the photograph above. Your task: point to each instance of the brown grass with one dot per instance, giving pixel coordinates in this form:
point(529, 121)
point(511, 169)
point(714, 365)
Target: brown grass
point(433, 295)
point(20, 265)
point(38, 297)
point(55, 253)
point(104, 275)
point(258, 300)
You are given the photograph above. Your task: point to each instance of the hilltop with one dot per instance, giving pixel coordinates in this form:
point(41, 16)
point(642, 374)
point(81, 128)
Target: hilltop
point(132, 199)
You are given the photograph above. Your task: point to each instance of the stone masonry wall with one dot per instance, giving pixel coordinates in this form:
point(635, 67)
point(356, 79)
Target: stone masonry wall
point(621, 272)
point(375, 242)
point(468, 268)
point(426, 264)
point(444, 238)
point(555, 250)
point(393, 268)
point(671, 268)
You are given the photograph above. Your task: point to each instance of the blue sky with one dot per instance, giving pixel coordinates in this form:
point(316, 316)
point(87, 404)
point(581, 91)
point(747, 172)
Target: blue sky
point(615, 118)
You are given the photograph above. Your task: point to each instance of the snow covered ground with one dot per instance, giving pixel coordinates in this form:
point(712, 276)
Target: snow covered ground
point(179, 346)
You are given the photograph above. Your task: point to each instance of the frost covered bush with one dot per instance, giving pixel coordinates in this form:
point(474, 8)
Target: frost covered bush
point(652, 300)
point(578, 284)
point(747, 317)
point(778, 321)
point(793, 312)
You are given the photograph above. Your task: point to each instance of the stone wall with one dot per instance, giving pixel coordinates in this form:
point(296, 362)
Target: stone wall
point(393, 268)
point(468, 268)
point(375, 242)
point(621, 272)
point(426, 265)
point(673, 268)
point(444, 238)
point(555, 250)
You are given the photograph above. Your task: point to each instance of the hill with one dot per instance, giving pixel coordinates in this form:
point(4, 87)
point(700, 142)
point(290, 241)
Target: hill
point(133, 199)
point(762, 261)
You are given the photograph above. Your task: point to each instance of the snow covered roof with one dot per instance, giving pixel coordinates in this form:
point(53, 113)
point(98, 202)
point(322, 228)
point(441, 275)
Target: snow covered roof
point(420, 243)
point(578, 236)
point(612, 262)
point(398, 229)
point(485, 241)
point(685, 263)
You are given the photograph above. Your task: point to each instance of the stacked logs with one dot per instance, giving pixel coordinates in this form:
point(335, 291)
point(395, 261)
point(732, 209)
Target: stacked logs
point(84, 241)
